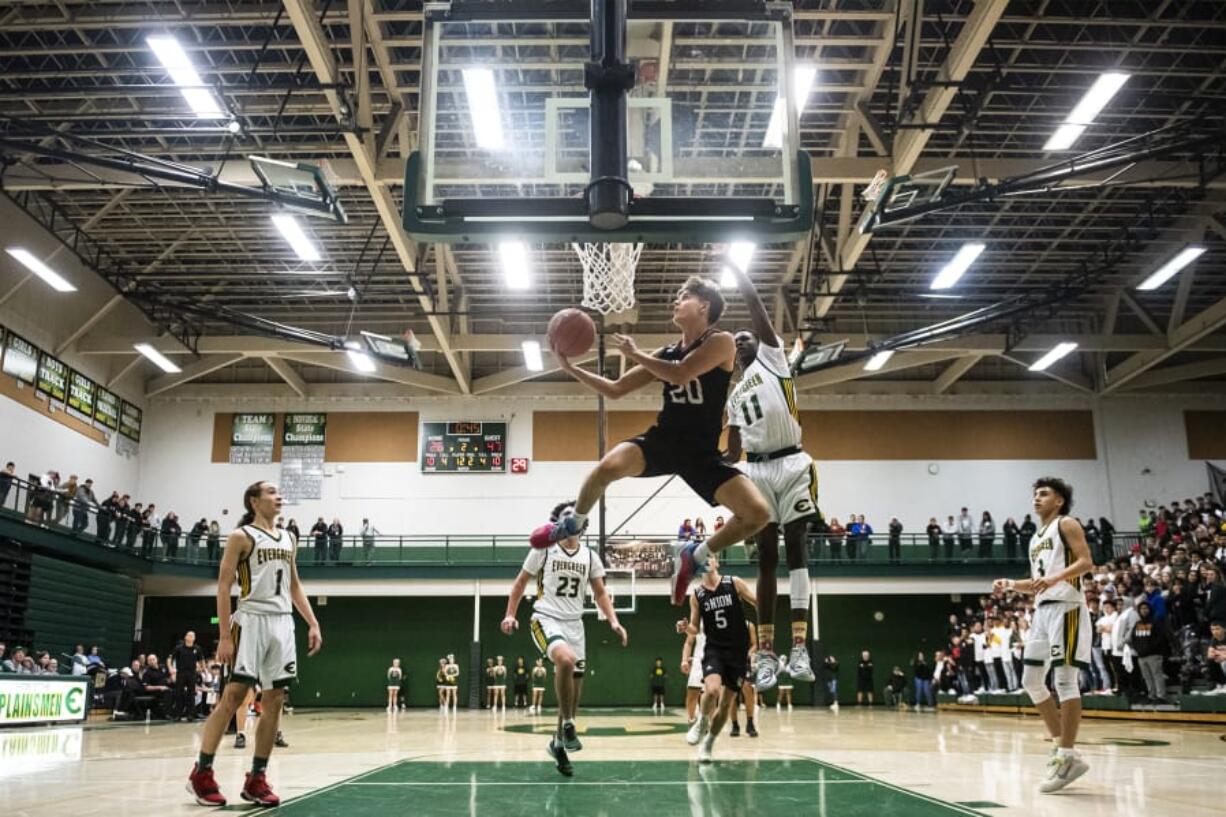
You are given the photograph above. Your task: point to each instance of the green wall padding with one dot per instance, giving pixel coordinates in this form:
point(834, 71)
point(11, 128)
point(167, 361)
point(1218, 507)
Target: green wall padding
point(72, 604)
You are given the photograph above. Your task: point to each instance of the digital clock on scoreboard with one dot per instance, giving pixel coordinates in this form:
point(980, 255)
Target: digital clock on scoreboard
point(463, 448)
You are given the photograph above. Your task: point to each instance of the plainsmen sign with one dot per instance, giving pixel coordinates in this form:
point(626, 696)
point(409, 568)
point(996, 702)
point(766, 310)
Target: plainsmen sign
point(42, 701)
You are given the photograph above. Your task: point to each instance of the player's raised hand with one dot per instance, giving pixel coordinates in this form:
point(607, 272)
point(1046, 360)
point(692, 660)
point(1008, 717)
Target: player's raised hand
point(563, 360)
point(625, 344)
point(315, 640)
point(621, 633)
point(509, 625)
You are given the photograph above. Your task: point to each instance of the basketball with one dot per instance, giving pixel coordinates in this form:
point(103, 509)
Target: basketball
point(571, 332)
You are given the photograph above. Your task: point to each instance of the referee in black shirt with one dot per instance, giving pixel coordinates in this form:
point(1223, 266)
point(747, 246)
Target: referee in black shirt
point(185, 658)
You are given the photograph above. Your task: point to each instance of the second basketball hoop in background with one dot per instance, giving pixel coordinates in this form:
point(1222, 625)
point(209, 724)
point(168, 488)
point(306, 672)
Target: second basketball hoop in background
point(571, 332)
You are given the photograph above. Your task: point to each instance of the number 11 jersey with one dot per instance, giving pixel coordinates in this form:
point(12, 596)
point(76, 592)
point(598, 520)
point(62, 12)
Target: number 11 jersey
point(561, 579)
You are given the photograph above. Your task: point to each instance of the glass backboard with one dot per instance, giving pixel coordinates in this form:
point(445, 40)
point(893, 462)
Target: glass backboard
point(711, 123)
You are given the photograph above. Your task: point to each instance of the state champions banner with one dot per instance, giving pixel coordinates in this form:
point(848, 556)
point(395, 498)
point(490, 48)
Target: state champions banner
point(302, 456)
point(251, 438)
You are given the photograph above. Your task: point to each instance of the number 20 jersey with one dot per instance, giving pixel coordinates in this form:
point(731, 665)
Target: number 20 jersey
point(264, 573)
point(561, 579)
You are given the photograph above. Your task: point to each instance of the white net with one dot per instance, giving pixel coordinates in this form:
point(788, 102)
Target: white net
point(608, 275)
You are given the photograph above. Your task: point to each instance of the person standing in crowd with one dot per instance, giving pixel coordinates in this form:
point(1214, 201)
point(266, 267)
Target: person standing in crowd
point(81, 503)
point(895, 689)
point(835, 538)
point(214, 541)
point(150, 524)
point(949, 534)
point(489, 683)
point(864, 679)
point(1002, 655)
point(979, 646)
point(987, 536)
point(854, 529)
point(1093, 538)
point(64, 496)
point(292, 527)
point(1105, 626)
point(831, 669)
point(395, 676)
point(136, 516)
point(6, 481)
point(658, 677)
point(519, 677)
point(39, 510)
point(184, 659)
point(1026, 532)
point(933, 531)
point(369, 532)
point(685, 533)
point(921, 670)
point(1149, 642)
point(895, 540)
point(106, 518)
point(336, 538)
point(319, 532)
point(120, 514)
point(866, 537)
point(198, 532)
point(700, 530)
point(966, 532)
point(1011, 536)
point(171, 533)
point(1106, 533)
point(451, 681)
point(539, 674)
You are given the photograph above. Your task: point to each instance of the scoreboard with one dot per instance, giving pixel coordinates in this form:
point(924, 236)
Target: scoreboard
point(463, 448)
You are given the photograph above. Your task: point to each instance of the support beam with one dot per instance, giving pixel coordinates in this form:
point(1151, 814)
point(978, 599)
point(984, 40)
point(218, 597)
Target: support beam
point(509, 377)
point(383, 371)
point(872, 129)
point(855, 371)
point(90, 323)
point(1067, 378)
point(203, 366)
point(1141, 312)
point(1178, 374)
point(954, 372)
point(1189, 332)
point(1180, 307)
point(303, 15)
point(286, 372)
point(908, 146)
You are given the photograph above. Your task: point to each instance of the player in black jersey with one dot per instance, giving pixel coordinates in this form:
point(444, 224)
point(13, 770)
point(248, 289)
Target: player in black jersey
point(685, 439)
point(716, 603)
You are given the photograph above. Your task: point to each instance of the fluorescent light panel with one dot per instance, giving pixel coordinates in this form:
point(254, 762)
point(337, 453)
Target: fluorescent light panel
point(741, 253)
point(514, 255)
point(160, 360)
point(957, 267)
point(878, 360)
point(176, 62)
point(482, 96)
point(361, 361)
point(532, 356)
point(1168, 270)
point(1060, 350)
point(803, 77)
point(53, 279)
point(1084, 113)
point(292, 232)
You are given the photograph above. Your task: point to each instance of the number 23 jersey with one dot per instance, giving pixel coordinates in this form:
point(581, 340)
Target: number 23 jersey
point(264, 573)
point(561, 579)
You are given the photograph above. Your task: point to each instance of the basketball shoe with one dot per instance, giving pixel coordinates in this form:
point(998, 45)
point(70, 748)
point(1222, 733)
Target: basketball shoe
point(558, 752)
point(698, 731)
point(799, 666)
point(705, 754)
point(552, 532)
point(767, 674)
point(203, 786)
point(570, 738)
point(256, 790)
point(685, 568)
point(1062, 770)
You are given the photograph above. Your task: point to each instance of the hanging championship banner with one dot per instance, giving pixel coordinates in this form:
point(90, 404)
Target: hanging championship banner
point(106, 410)
point(81, 396)
point(130, 418)
point(20, 358)
point(302, 457)
point(251, 439)
point(304, 429)
point(52, 378)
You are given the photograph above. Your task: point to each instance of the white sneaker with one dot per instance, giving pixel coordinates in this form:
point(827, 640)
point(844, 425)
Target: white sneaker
point(799, 665)
point(1220, 689)
point(697, 732)
point(704, 750)
point(1061, 771)
point(834, 707)
point(767, 674)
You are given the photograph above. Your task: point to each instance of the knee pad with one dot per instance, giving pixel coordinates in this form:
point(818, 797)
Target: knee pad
point(1067, 682)
point(798, 585)
point(1032, 682)
point(580, 668)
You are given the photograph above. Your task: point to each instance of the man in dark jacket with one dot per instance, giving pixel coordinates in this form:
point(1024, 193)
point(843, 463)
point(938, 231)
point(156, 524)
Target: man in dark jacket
point(1026, 531)
point(319, 531)
point(895, 540)
point(133, 526)
point(121, 512)
point(171, 531)
point(82, 501)
point(106, 516)
point(1149, 642)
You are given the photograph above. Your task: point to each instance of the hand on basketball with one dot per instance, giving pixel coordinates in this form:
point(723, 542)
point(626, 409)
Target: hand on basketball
point(625, 344)
point(225, 650)
point(563, 361)
point(621, 632)
point(509, 625)
point(315, 640)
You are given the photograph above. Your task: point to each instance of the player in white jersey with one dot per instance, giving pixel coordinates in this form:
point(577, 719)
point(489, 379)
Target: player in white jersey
point(563, 571)
point(257, 641)
point(764, 422)
point(1060, 632)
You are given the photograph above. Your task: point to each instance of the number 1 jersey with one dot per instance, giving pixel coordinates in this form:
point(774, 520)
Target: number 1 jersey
point(264, 573)
point(561, 579)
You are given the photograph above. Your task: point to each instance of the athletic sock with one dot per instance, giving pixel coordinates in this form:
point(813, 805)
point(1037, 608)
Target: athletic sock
point(258, 765)
point(701, 552)
point(205, 761)
point(800, 631)
point(1062, 752)
point(766, 637)
point(581, 518)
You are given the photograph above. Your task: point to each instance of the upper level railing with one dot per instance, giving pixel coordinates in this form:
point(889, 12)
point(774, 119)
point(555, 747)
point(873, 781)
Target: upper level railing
point(110, 531)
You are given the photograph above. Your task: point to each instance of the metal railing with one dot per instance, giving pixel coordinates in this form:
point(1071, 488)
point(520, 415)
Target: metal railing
point(106, 529)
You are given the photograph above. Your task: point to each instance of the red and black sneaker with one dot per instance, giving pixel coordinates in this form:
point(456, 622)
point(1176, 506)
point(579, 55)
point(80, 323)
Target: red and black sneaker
point(202, 786)
point(256, 790)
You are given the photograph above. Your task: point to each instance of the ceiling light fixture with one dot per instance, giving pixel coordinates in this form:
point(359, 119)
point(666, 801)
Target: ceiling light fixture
point(482, 95)
point(1060, 350)
point(53, 279)
point(957, 266)
point(740, 253)
point(292, 232)
point(1168, 270)
point(361, 361)
point(174, 59)
point(878, 360)
point(1090, 106)
point(160, 360)
point(515, 266)
point(532, 356)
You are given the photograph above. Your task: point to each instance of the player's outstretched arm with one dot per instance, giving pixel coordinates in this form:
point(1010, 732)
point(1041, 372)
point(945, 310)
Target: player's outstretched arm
point(631, 381)
point(717, 350)
point(315, 638)
point(236, 548)
point(509, 622)
point(744, 590)
point(761, 322)
point(605, 605)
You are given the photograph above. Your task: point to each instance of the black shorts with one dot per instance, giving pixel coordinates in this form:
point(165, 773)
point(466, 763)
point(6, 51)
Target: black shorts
point(657, 690)
point(732, 666)
point(702, 469)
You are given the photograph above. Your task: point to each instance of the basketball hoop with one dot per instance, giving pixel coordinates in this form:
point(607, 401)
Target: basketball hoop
point(874, 187)
point(608, 275)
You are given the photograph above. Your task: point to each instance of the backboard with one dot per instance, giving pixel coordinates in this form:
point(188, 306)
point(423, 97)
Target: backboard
point(299, 186)
point(711, 141)
point(907, 197)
